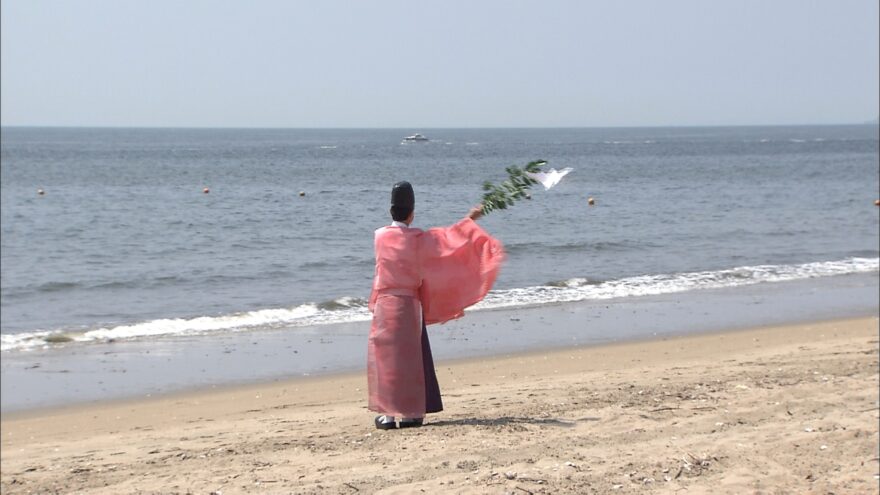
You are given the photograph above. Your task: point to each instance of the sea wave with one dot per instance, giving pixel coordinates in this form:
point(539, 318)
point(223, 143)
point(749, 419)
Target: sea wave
point(353, 309)
point(275, 271)
point(581, 289)
point(586, 246)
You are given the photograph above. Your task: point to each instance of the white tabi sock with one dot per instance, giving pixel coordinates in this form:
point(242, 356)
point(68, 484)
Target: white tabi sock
point(387, 419)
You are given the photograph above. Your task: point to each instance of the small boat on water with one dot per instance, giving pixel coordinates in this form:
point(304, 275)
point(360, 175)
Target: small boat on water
point(415, 137)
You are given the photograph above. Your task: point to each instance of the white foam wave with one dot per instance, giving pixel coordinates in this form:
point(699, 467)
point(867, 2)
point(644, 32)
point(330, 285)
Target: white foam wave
point(350, 309)
point(306, 314)
point(579, 290)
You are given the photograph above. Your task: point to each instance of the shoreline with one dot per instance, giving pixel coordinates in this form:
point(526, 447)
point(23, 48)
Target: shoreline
point(130, 370)
point(791, 408)
point(332, 377)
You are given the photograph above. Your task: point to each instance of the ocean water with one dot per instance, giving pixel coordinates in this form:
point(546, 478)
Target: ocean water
point(125, 246)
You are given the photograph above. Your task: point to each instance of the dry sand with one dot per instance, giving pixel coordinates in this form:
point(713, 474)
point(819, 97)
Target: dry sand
point(774, 410)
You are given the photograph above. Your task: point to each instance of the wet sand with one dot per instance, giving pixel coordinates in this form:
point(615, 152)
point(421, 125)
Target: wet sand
point(782, 409)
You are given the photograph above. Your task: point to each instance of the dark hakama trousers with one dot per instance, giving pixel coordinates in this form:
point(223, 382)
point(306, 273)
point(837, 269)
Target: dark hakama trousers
point(433, 400)
point(400, 367)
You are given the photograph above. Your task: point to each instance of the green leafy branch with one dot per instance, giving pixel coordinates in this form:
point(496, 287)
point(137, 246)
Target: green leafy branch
point(499, 197)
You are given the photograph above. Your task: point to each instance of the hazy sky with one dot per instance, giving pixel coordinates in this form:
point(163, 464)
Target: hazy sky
point(450, 63)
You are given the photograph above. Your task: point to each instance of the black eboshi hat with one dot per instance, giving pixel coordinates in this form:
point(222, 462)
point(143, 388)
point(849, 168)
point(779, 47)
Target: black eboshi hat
point(402, 195)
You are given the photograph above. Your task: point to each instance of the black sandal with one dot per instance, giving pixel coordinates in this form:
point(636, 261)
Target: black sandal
point(384, 426)
point(412, 423)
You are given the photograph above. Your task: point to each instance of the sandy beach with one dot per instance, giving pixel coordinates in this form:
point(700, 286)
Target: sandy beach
point(785, 409)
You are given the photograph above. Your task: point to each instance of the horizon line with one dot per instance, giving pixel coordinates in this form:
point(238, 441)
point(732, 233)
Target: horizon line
point(194, 127)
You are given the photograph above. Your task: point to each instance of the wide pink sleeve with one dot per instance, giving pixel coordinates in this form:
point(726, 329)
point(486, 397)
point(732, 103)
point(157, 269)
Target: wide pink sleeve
point(459, 264)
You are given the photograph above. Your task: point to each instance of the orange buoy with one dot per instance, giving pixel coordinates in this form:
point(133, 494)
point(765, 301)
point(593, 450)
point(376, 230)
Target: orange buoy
point(591, 201)
point(206, 190)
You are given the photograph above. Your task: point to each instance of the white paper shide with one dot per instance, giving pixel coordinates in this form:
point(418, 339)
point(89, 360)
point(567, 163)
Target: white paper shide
point(549, 178)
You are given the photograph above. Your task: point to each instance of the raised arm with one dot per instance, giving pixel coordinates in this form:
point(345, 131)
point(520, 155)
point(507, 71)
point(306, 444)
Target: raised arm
point(476, 212)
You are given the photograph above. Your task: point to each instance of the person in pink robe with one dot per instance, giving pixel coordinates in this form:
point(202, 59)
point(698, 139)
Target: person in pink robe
point(422, 277)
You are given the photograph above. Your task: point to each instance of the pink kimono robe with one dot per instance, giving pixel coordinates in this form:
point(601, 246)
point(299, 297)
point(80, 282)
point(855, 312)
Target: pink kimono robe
point(432, 275)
